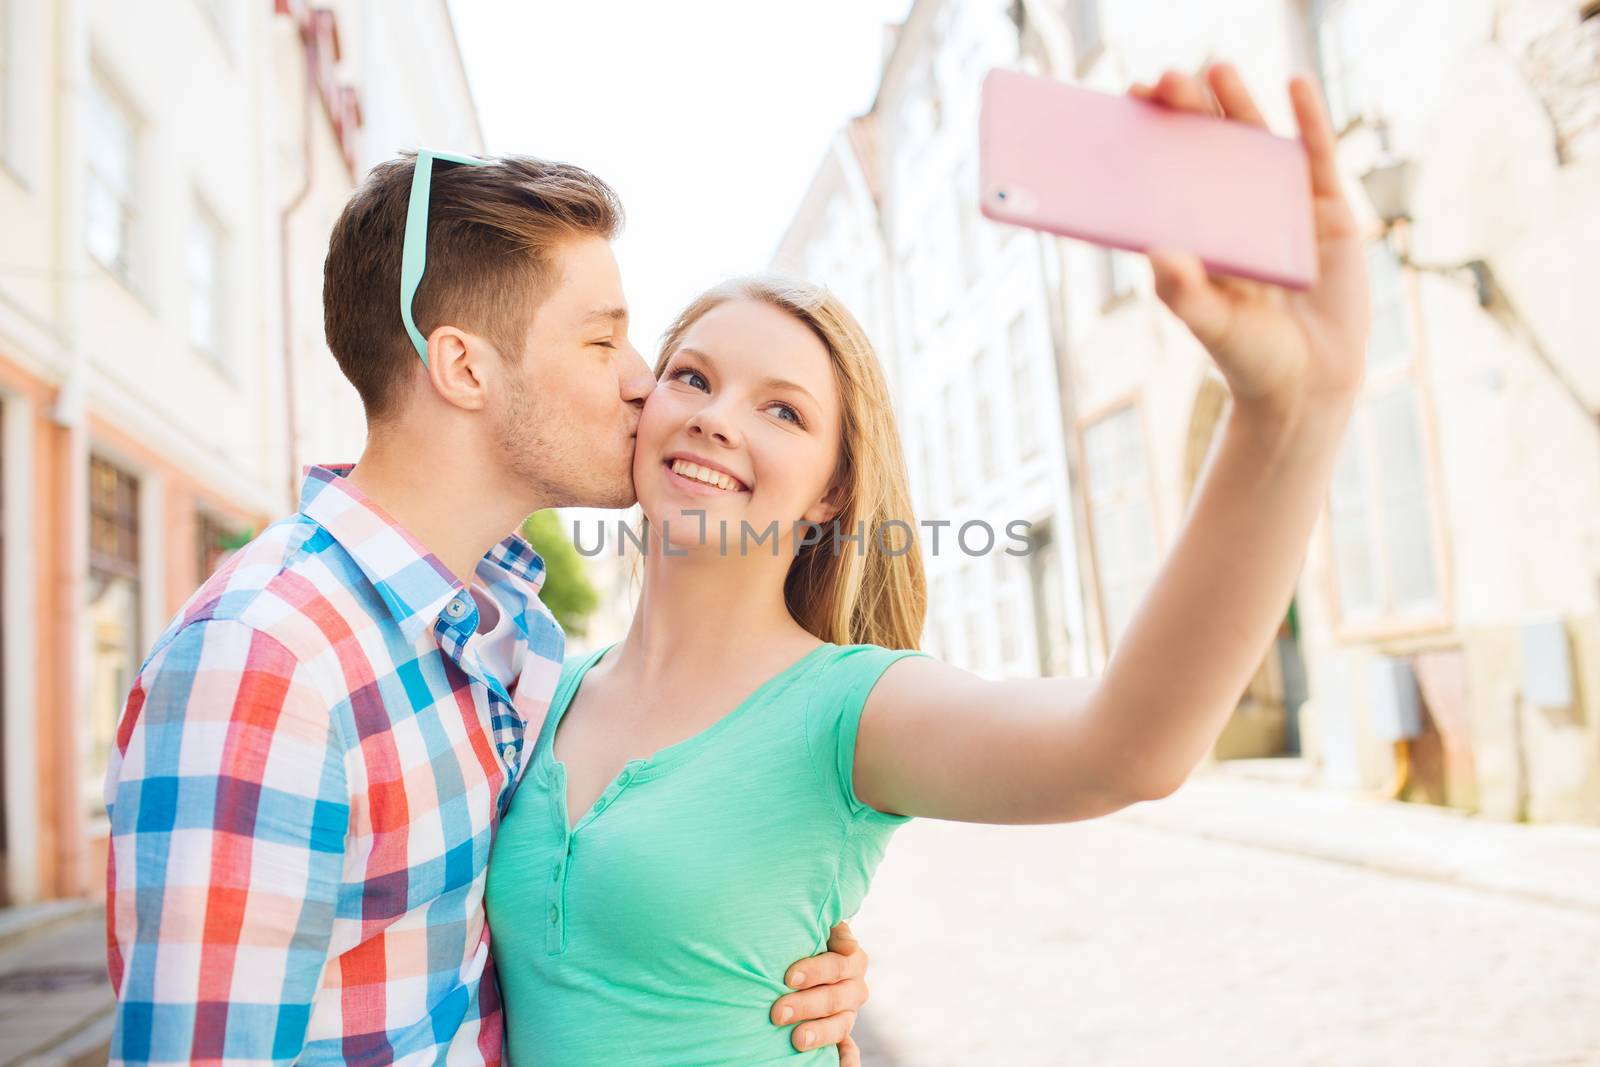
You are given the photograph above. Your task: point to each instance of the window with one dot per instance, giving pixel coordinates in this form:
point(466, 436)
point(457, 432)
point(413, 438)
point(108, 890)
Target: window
point(1023, 404)
point(23, 25)
point(930, 466)
point(1121, 517)
point(214, 539)
point(218, 15)
point(205, 283)
point(1380, 505)
point(989, 428)
point(109, 191)
point(1340, 44)
point(1047, 587)
point(1008, 624)
point(1117, 277)
point(955, 444)
point(974, 654)
point(7, 91)
point(966, 211)
point(113, 615)
point(1083, 17)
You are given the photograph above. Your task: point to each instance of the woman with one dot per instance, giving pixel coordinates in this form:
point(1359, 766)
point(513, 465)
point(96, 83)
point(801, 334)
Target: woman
point(713, 793)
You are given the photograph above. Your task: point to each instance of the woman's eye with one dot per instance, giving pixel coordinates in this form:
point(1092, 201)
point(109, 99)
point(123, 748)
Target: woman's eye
point(698, 380)
point(788, 414)
point(606, 344)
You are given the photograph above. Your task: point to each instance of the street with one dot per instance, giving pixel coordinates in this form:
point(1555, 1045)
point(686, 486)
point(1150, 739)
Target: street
point(1236, 923)
point(1144, 939)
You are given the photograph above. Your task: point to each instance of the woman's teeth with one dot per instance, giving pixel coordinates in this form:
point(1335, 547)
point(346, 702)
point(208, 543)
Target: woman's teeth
point(697, 473)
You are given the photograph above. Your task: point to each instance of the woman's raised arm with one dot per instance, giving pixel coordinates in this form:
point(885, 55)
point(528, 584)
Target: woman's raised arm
point(939, 742)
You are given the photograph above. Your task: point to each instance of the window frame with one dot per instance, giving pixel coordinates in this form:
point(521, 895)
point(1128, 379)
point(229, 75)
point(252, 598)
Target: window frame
point(127, 513)
point(1389, 622)
point(126, 268)
point(1087, 30)
point(203, 217)
point(1134, 400)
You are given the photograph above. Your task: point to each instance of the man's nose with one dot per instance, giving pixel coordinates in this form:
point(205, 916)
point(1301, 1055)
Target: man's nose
point(637, 381)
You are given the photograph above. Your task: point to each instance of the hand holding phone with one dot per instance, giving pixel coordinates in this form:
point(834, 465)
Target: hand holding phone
point(1132, 174)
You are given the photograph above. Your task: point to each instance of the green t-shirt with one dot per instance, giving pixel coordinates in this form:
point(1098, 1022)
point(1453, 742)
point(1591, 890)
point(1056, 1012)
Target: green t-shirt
point(659, 929)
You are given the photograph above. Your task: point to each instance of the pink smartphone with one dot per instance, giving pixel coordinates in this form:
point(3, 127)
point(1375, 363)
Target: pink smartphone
point(1126, 173)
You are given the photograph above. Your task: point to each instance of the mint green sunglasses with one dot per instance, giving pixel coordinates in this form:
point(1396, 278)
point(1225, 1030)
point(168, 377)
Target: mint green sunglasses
point(414, 257)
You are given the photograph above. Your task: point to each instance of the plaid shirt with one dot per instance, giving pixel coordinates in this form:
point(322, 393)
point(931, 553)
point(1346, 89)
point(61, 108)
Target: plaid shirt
point(307, 776)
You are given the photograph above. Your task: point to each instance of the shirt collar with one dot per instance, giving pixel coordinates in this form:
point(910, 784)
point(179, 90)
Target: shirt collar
point(412, 581)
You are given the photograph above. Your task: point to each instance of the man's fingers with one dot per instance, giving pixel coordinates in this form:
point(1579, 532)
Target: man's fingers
point(1235, 98)
point(843, 942)
point(847, 959)
point(819, 1003)
point(1316, 133)
point(849, 1053)
point(829, 1031)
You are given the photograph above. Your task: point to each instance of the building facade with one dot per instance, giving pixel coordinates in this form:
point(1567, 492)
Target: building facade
point(1444, 641)
point(169, 174)
point(960, 311)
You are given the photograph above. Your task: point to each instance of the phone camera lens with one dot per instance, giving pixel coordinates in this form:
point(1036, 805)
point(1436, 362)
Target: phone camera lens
point(1000, 194)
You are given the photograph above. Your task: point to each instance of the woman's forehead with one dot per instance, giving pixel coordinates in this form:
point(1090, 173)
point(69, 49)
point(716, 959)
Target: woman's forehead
point(757, 336)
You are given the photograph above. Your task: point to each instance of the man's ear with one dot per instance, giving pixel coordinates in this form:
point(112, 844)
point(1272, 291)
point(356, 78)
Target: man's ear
point(457, 363)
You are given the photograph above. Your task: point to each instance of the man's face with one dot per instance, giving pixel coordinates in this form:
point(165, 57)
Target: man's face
point(565, 423)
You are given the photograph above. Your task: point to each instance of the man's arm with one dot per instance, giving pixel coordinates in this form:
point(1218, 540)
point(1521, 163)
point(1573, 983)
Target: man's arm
point(229, 810)
point(831, 989)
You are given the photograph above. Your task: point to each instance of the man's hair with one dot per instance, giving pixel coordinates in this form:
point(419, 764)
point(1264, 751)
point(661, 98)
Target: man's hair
point(493, 232)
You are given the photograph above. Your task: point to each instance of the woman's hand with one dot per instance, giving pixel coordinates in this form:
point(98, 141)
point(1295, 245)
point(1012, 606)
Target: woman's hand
point(1278, 348)
point(831, 989)
point(936, 741)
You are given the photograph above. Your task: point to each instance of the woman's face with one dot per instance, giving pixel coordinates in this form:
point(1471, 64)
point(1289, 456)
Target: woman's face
point(744, 426)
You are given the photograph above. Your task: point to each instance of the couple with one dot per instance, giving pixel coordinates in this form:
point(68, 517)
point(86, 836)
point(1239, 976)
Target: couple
point(316, 811)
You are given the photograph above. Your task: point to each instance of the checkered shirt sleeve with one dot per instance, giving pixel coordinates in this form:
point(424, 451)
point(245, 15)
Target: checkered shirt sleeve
point(229, 811)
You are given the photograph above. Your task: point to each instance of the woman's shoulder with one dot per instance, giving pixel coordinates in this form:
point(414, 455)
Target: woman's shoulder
point(846, 672)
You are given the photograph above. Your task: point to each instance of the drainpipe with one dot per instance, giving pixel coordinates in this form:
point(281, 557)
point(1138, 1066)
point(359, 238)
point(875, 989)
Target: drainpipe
point(66, 827)
point(285, 217)
point(1055, 44)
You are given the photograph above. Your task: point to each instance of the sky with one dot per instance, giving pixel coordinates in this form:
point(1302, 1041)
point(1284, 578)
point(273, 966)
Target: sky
point(709, 117)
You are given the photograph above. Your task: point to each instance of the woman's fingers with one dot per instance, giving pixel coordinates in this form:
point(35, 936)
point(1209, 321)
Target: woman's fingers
point(819, 1003)
point(1235, 98)
point(849, 1053)
point(1316, 132)
point(1179, 90)
point(1183, 285)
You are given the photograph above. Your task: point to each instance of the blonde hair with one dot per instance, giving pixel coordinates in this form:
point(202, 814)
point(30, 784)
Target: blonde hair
point(873, 592)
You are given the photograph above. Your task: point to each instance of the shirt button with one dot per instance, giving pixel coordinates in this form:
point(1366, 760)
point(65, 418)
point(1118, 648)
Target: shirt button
point(455, 609)
point(555, 915)
point(510, 755)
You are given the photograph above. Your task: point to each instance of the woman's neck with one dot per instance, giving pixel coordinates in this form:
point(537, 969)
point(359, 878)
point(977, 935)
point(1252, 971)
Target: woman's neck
point(708, 612)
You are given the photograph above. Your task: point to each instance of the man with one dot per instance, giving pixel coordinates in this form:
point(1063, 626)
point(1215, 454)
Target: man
point(314, 758)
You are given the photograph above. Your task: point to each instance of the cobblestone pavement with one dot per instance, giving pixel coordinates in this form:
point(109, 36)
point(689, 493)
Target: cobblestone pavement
point(55, 1002)
point(1149, 939)
point(1237, 923)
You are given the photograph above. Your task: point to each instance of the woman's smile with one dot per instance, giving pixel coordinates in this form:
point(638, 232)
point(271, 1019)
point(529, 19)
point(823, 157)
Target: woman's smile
point(700, 479)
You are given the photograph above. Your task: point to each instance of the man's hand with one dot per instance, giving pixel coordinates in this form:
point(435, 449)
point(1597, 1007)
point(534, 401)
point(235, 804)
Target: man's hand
point(831, 989)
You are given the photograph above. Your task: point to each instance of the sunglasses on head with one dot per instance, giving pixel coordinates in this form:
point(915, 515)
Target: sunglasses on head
point(414, 257)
